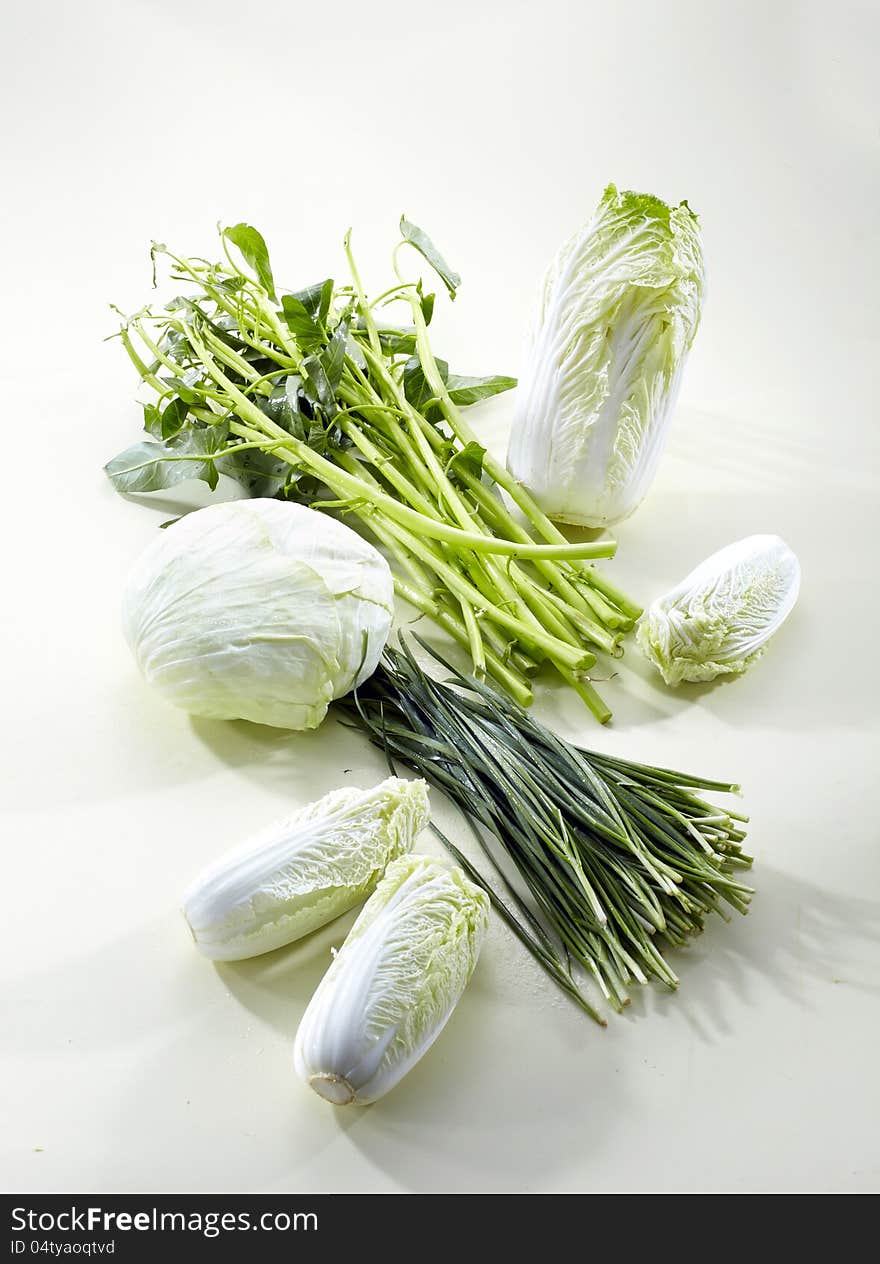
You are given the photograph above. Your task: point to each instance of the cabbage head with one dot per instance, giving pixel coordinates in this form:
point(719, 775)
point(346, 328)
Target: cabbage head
point(304, 870)
point(618, 311)
point(393, 985)
point(258, 610)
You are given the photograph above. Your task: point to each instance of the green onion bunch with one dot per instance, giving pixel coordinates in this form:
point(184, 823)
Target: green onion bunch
point(308, 395)
point(617, 862)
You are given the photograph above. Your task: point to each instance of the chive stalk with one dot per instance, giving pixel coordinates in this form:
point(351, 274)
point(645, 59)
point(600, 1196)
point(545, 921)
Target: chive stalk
point(616, 862)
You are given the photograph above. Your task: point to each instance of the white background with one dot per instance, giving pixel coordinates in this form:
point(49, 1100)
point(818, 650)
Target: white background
point(130, 1063)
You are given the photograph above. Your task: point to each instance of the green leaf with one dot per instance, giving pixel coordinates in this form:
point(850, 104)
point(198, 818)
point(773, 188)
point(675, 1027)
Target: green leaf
point(256, 254)
point(228, 285)
point(282, 406)
point(151, 467)
point(416, 386)
point(470, 456)
point(398, 341)
point(354, 351)
point(173, 417)
point(152, 420)
point(145, 467)
point(306, 313)
point(301, 323)
point(468, 390)
point(426, 248)
point(427, 305)
point(259, 473)
point(326, 296)
point(316, 299)
point(316, 385)
point(190, 387)
point(333, 358)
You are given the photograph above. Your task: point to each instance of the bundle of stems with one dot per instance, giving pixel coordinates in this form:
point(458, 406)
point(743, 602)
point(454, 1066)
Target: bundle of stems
point(308, 396)
point(617, 861)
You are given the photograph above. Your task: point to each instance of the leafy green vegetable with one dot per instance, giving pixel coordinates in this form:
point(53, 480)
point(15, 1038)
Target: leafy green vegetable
point(718, 620)
point(426, 248)
point(253, 247)
point(393, 985)
point(469, 390)
point(303, 871)
point(471, 457)
point(301, 323)
point(307, 398)
point(151, 466)
point(173, 417)
point(618, 312)
point(398, 341)
point(417, 388)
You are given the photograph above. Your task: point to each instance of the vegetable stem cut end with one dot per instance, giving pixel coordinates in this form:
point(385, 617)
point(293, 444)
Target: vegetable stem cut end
point(333, 1088)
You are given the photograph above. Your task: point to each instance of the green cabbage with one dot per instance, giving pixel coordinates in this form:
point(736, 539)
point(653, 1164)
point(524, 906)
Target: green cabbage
point(258, 610)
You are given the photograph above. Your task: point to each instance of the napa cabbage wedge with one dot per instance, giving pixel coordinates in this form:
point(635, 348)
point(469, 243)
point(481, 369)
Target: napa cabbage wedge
point(718, 620)
point(303, 871)
point(393, 985)
point(618, 311)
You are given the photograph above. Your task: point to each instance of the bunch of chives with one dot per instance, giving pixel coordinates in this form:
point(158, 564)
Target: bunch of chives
point(617, 862)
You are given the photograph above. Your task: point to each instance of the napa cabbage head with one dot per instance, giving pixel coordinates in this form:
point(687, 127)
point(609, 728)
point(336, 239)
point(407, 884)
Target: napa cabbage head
point(304, 870)
point(393, 985)
point(618, 311)
point(258, 610)
point(718, 620)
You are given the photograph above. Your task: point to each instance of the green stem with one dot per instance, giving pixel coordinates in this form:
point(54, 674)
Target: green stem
point(555, 649)
point(505, 675)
